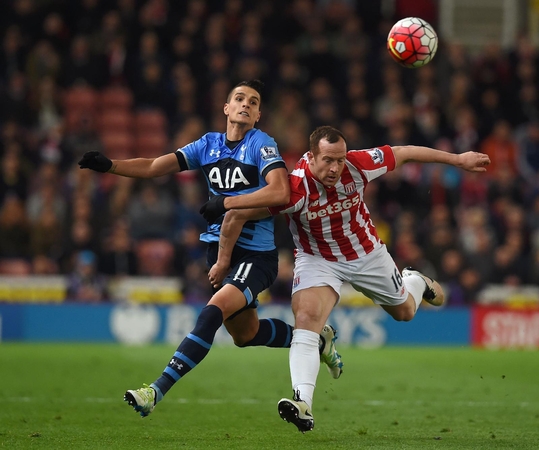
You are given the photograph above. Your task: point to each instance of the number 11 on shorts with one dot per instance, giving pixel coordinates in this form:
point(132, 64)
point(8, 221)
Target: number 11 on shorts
point(243, 272)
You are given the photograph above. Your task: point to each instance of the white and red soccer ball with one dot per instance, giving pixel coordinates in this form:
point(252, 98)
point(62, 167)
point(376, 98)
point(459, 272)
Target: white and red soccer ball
point(412, 42)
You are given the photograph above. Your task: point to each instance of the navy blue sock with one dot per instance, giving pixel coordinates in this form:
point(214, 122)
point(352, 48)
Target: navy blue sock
point(192, 349)
point(272, 333)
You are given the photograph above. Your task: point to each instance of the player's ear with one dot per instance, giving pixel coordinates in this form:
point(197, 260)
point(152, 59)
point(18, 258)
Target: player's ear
point(225, 109)
point(258, 118)
point(310, 156)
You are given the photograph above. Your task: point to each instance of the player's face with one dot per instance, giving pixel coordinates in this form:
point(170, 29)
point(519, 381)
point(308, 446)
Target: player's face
point(243, 107)
point(328, 164)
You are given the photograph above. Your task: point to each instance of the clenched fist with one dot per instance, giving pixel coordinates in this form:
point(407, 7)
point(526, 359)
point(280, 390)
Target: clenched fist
point(95, 161)
point(213, 208)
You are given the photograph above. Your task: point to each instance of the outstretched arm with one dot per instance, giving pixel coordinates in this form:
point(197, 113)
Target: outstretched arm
point(134, 168)
point(230, 232)
point(470, 161)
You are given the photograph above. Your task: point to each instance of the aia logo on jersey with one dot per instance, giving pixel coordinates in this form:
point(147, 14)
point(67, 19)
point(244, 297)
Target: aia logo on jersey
point(377, 155)
point(350, 187)
point(228, 179)
point(268, 152)
point(229, 175)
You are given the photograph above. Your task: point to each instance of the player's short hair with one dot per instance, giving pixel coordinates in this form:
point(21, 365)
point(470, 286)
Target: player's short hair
point(326, 132)
point(257, 85)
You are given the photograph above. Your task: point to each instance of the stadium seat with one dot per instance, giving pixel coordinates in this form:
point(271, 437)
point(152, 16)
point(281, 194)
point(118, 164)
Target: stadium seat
point(150, 121)
point(151, 145)
point(116, 98)
point(81, 98)
point(116, 120)
point(77, 119)
point(118, 145)
point(155, 257)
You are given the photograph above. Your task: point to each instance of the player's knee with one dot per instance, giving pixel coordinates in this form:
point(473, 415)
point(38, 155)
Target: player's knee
point(243, 337)
point(305, 318)
point(403, 315)
point(238, 342)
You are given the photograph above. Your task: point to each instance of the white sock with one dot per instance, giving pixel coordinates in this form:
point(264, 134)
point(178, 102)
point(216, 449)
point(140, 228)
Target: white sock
point(304, 359)
point(416, 286)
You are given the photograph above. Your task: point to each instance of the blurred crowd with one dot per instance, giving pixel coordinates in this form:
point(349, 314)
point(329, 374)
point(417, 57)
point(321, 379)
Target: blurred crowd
point(140, 78)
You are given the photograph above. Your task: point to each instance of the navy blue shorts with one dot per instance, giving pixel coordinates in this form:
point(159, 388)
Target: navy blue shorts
point(251, 271)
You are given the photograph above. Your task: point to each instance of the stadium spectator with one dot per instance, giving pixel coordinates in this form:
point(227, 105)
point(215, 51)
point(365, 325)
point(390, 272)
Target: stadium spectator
point(43, 61)
point(43, 265)
point(151, 89)
point(336, 243)
point(46, 105)
point(501, 148)
point(12, 55)
point(13, 176)
point(479, 253)
point(186, 209)
point(151, 212)
point(85, 283)
point(47, 234)
point(81, 138)
point(528, 143)
point(15, 101)
point(80, 237)
point(46, 196)
point(56, 31)
point(117, 258)
point(83, 66)
point(14, 229)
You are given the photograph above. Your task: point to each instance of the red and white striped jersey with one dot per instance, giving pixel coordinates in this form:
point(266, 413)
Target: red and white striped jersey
point(335, 223)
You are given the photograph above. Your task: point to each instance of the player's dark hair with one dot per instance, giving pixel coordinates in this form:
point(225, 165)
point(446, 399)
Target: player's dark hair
point(326, 132)
point(257, 85)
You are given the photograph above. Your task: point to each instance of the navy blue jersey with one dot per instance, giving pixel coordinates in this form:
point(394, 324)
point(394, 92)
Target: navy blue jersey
point(235, 172)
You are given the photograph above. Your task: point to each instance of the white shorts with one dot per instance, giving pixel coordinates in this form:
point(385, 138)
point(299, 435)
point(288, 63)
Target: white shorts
point(375, 275)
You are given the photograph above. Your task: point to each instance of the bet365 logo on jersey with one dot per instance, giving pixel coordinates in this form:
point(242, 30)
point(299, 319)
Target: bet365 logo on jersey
point(333, 208)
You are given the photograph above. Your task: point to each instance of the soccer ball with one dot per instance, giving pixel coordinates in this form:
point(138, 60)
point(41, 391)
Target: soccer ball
point(412, 42)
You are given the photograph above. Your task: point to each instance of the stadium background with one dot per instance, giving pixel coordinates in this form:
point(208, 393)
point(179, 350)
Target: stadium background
point(85, 256)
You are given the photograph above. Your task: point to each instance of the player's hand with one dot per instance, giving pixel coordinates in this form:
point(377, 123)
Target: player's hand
point(217, 274)
point(95, 161)
point(213, 208)
point(474, 161)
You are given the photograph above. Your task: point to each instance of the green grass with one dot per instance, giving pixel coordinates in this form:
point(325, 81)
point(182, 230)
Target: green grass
point(69, 396)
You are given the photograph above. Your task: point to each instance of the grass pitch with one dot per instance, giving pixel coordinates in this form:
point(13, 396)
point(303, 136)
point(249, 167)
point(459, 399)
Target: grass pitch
point(66, 396)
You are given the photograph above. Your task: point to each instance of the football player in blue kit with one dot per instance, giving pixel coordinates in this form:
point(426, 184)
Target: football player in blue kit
point(243, 169)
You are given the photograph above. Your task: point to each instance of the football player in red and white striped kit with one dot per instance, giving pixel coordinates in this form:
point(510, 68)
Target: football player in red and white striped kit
point(336, 242)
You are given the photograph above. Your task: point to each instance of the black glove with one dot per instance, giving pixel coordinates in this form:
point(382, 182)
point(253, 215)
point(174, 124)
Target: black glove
point(95, 161)
point(213, 208)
